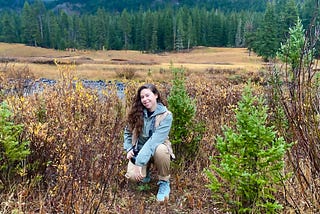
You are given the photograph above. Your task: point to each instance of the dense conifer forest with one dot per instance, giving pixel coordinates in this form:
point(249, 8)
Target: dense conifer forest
point(152, 26)
point(119, 5)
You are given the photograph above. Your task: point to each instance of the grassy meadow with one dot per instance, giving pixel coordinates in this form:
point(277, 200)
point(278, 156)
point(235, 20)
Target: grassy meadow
point(77, 164)
point(104, 65)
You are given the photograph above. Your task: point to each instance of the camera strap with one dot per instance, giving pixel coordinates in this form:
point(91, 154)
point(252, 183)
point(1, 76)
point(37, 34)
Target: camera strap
point(136, 144)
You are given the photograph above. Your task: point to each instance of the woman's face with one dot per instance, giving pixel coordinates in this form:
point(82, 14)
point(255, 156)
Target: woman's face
point(148, 99)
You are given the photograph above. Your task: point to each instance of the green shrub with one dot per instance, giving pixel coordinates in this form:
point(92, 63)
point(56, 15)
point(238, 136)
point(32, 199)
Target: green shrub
point(290, 52)
point(12, 149)
point(185, 132)
point(245, 174)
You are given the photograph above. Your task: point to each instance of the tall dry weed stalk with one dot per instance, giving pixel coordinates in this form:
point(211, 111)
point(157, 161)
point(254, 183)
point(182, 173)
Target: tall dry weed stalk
point(214, 108)
point(295, 87)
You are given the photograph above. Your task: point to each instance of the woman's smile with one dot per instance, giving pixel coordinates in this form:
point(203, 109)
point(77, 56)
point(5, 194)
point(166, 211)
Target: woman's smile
point(148, 99)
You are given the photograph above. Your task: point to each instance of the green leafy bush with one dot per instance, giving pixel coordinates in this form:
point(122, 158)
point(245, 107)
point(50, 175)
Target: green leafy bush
point(248, 168)
point(12, 149)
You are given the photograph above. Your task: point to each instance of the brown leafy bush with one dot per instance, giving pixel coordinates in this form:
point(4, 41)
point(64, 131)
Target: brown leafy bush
point(214, 107)
point(126, 73)
point(15, 79)
point(76, 144)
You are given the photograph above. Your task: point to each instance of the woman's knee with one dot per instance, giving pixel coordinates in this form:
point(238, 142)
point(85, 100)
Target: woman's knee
point(162, 152)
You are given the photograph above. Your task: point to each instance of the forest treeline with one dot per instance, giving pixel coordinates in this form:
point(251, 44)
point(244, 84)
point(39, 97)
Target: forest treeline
point(165, 29)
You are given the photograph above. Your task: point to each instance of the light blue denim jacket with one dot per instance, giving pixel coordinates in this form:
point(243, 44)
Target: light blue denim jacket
point(147, 144)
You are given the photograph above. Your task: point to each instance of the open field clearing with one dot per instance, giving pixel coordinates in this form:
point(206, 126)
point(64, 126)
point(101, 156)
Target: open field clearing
point(103, 65)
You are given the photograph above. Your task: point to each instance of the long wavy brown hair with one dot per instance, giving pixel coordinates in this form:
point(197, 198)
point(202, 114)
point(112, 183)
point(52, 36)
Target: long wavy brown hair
point(135, 115)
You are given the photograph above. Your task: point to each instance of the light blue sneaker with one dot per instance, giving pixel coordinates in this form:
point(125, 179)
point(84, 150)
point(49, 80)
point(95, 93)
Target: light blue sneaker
point(164, 190)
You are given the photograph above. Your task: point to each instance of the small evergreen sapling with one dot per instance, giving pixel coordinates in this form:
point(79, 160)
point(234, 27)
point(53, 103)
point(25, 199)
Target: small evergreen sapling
point(12, 150)
point(245, 174)
point(186, 133)
point(181, 105)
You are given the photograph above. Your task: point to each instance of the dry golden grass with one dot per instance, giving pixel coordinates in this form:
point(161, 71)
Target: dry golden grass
point(106, 64)
point(21, 50)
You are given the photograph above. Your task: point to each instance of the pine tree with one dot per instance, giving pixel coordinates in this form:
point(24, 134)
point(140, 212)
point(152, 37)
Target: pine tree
point(53, 31)
point(154, 38)
point(185, 134)
point(204, 27)
point(239, 37)
point(125, 25)
point(290, 52)
point(137, 34)
point(231, 29)
point(13, 151)
point(195, 14)
point(248, 167)
point(28, 25)
point(190, 33)
point(86, 32)
point(63, 22)
point(167, 29)
point(100, 28)
point(250, 30)
point(7, 29)
point(39, 12)
point(179, 36)
point(288, 14)
point(147, 30)
point(116, 35)
point(267, 41)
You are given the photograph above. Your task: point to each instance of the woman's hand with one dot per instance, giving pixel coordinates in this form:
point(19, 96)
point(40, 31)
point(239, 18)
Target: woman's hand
point(130, 154)
point(137, 169)
point(138, 173)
